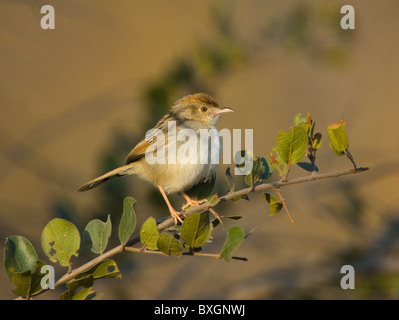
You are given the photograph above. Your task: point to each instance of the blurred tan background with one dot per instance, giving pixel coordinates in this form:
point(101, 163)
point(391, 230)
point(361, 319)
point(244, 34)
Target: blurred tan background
point(75, 100)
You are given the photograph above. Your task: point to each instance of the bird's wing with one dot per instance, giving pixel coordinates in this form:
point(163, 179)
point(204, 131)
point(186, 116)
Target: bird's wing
point(154, 139)
point(138, 152)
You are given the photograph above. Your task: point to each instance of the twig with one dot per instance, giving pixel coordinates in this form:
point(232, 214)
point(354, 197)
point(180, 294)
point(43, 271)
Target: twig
point(349, 156)
point(284, 204)
point(141, 250)
point(211, 255)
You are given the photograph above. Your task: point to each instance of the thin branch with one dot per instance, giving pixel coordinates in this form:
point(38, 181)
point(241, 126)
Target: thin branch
point(203, 254)
point(169, 222)
point(188, 253)
point(211, 255)
point(262, 187)
point(284, 204)
point(69, 276)
point(141, 250)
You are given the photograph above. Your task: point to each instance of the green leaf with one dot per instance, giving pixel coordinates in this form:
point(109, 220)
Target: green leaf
point(291, 146)
point(128, 220)
point(60, 240)
point(338, 138)
point(82, 294)
point(274, 205)
point(72, 293)
point(28, 282)
point(305, 122)
point(196, 229)
point(19, 255)
point(104, 269)
point(149, 234)
point(169, 245)
point(97, 233)
point(299, 120)
point(235, 236)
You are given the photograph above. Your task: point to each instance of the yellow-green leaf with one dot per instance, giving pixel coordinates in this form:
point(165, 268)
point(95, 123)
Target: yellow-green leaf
point(338, 138)
point(291, 146)
point(169, 245)
point(104, 269)
point(149, 234)
point(274, 205)
point(28, 282)
point(60, 240)
point(73, 294)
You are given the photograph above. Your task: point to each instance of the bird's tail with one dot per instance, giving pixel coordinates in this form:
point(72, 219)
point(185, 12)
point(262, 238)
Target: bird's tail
point(116, 173)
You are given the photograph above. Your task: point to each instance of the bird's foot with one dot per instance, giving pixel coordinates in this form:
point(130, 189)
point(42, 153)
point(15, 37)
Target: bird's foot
point(175, 215)
point(191, 202)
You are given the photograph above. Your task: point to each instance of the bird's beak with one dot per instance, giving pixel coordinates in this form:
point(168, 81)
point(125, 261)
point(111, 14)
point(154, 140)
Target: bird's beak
point(224, 110)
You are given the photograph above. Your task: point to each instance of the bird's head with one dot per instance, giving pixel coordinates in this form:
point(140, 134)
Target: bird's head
point(199, 107)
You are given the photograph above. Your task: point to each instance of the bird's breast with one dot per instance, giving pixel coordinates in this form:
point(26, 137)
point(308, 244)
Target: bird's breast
point(191, 157)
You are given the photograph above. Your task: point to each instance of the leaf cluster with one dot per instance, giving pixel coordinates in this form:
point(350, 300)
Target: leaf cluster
point(291, 147)
point(61, 241)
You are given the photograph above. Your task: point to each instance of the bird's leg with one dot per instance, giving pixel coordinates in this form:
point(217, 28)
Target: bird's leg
point(173, 212)
point(190, 202)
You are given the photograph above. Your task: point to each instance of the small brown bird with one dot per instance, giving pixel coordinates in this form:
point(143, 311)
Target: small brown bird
point(161, 157)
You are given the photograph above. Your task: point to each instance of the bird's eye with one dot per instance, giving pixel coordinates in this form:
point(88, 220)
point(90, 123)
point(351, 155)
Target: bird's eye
point(204, 109)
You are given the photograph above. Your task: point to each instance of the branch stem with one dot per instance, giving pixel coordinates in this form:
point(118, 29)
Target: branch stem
point(284, 204)
point(169, 222)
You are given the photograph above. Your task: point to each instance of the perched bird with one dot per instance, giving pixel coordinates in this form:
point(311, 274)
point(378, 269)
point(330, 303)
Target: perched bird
point(167, 159)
